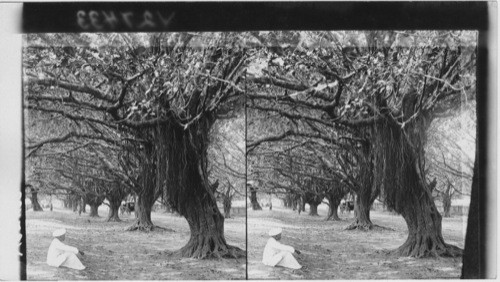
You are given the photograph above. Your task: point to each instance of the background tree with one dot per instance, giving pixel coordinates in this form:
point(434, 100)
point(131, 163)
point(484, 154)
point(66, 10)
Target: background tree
point(450, 156)
point(34, 198)
point(226, 158)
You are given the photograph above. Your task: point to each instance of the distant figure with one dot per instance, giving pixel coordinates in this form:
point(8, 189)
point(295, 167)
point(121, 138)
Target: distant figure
point(343, 206)
point(127, 207)
point(63, 255)
point(279, 254)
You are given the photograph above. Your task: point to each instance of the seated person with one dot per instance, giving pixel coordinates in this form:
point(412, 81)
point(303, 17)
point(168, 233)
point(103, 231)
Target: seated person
point(63, 255)
point(279, 254)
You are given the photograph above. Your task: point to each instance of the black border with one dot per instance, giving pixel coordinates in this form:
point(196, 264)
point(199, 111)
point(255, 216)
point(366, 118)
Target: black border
point(61, 17)
point(239, 16)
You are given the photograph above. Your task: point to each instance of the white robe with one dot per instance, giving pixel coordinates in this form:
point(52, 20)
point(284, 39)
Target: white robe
point(61, 254)
point(276, 253)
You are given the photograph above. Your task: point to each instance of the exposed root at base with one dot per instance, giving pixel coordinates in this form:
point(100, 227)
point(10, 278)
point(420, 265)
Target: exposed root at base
point(113, 219)
point(147, 228)
point(333, 219)
point(203, 252)
point(367, 227)
point(359, 226)
point(426, 248)
point(163, 228)
point(378, 227)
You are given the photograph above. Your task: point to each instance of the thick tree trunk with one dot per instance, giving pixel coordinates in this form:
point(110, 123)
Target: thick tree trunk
point(362, 213)
point(143, 206)
point(406, 190)
point(207, 232)
point(313, 208)
point(152, 173)
point(114, 208)
point(333, 207)
point(367, 192)
point(34, 200)
point(94, 201)
point(424, 223)
point(113, 214)
point(253, 200)
point(94, 210)
point(205, 222)
point(424, 231)
point(189, 192)
point(333, 212)
point(115, 197)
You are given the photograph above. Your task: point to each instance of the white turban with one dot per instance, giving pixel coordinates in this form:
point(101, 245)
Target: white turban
point(59, 232)
point(275, 231)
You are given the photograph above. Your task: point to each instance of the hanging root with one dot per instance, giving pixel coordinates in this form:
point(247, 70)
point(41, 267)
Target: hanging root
point(427, 246)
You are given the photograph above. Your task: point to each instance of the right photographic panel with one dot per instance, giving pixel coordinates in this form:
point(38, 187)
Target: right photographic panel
point(361, 149)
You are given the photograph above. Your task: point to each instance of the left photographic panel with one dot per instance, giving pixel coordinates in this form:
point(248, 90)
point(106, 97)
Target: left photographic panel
point(134, 147)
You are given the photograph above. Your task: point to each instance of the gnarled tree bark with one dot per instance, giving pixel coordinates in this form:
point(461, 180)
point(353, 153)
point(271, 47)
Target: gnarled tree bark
point(406, 190)
point(189, 192)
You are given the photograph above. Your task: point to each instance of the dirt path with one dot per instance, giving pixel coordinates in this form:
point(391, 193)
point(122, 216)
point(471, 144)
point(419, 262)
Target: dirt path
point(329, 252)
point(114, 254)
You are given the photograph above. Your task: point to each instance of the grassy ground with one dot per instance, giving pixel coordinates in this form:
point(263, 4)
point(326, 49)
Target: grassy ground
point(114, 254)
point(329, 252)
